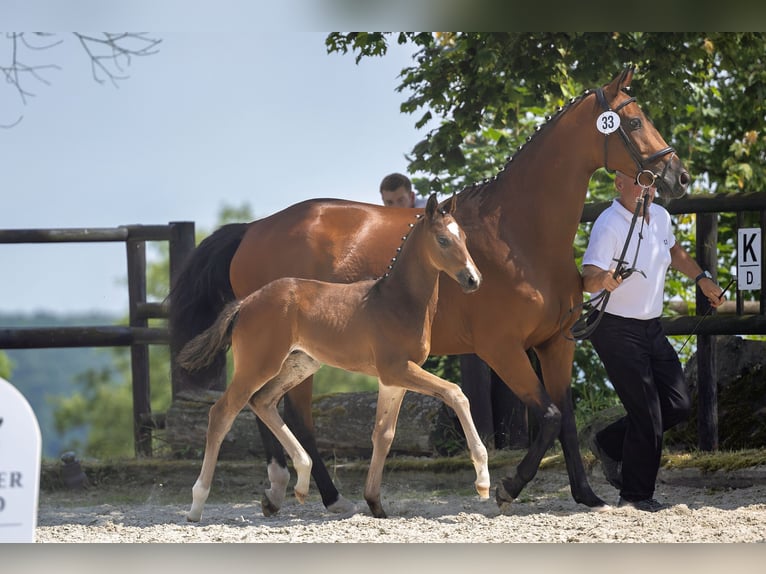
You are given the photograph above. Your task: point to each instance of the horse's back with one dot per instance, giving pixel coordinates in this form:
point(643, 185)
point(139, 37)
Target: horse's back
point(326, 239)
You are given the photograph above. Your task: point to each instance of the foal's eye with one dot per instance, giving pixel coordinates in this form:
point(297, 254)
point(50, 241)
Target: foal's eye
point(443, 241)
point(635, 123)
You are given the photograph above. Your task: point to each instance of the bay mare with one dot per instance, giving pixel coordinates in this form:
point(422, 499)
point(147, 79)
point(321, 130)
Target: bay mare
point(520, 226)
point(378, 327)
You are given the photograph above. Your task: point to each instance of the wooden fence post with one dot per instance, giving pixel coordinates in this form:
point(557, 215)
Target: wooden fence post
point(707, 385)
point(139, 353)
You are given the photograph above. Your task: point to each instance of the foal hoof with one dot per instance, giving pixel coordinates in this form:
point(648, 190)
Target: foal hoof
point(301, 496)
point(483, 491)
point(377, 509)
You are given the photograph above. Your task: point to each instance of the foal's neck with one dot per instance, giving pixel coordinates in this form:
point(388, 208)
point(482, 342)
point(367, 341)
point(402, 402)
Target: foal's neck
point(412, 281)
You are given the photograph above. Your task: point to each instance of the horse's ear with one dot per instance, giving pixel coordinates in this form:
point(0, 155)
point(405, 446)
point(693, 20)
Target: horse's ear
point(431, 206)
point(627, 77)
point(620, 82)
point(449, 207)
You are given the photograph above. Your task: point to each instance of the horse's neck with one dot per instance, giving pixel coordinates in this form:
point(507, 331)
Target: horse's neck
point(543, 188)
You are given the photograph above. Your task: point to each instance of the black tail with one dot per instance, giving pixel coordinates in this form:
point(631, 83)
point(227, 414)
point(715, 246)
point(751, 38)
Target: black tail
point(198, 295)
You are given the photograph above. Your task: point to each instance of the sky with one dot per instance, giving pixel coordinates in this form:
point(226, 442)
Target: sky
point(214, 118)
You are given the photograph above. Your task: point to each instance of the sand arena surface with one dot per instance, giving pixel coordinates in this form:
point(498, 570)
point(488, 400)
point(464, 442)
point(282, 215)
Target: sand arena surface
point(425, 507)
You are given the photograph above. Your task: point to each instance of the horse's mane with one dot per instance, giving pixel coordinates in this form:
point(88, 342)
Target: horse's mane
point(471, 190)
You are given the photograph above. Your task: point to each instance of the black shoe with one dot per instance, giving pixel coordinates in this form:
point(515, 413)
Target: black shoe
point(647, 505)
point(612, 468)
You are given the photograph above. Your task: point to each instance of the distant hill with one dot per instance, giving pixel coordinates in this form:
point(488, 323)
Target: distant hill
point(43, 374)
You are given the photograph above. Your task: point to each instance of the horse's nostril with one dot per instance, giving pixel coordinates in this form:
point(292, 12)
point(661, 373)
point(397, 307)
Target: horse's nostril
point(684, 179)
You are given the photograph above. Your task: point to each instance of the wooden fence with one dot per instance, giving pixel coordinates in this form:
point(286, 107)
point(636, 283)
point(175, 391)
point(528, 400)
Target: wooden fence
point(137, 335)
point(180, 236)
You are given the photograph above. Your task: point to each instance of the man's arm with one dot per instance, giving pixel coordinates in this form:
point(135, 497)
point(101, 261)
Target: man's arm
point(681, 261)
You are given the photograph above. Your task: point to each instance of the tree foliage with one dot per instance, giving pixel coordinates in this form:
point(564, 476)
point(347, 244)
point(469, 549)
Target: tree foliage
point(704, 92)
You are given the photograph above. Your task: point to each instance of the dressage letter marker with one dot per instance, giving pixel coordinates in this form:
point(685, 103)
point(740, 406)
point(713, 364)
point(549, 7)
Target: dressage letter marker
point(20, 450)
point(749, 259)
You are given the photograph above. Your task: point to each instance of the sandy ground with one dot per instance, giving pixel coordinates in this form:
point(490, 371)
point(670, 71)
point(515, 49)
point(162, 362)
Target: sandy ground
point(721, 508)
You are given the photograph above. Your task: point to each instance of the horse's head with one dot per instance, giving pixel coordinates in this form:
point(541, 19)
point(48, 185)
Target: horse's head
point(633, 145)
point(446, 245)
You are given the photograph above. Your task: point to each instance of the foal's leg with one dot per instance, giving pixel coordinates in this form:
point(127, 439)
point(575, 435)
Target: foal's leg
point(299, 418)
point(265, 407)
point(296, 367)
point(421, 381)
point(386, 415)
point(220, 419)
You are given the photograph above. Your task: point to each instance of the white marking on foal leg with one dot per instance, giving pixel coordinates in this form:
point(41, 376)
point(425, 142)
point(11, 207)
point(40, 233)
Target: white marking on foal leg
point(279, 476)
point(199, 496)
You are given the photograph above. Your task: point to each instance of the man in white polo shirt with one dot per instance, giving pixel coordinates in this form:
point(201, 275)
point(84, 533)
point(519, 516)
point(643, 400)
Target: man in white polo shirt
point(639, 360)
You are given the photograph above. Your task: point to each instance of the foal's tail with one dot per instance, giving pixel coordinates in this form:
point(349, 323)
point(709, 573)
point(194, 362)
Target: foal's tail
point(203, 349)
point(199, 294)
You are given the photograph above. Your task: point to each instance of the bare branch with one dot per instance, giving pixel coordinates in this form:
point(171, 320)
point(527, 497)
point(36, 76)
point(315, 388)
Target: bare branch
point(17, 72)
point(110, 55)
point(113, 53)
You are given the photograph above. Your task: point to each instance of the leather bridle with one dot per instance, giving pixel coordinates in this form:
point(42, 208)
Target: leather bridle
point(593, 309)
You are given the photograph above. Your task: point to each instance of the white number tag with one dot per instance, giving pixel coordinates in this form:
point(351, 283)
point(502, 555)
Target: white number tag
point(608, 122)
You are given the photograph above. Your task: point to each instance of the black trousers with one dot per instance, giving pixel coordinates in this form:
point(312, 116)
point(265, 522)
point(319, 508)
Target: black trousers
point(647, 375)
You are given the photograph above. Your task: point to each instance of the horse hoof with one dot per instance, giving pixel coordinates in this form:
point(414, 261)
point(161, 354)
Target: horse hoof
point(483, 492)
point(190, 518)
point(267, 507)
point(502, 497)
point(377, 510)
point(342, 506)
point(301, 496)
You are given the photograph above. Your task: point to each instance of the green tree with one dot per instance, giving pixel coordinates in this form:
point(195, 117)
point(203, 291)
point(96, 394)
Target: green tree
point(481, 94)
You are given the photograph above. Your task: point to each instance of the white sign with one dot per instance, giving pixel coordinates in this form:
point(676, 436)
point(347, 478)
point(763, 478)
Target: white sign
point(20, 452)
point(749, 259)
point(608, 122)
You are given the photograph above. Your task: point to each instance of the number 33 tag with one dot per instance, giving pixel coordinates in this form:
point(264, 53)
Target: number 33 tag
point(608, 122)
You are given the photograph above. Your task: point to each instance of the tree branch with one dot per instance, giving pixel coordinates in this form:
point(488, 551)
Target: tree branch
point(110, 55)
point(113, 53)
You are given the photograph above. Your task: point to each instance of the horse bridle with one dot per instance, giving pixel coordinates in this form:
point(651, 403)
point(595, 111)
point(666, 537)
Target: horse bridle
point(645, 178)
point(631, 147)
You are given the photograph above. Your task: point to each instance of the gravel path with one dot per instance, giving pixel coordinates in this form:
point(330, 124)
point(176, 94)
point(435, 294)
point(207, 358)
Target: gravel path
point(703, 510)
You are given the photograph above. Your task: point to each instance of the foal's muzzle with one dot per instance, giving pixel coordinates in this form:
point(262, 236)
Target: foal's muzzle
point(469, 280)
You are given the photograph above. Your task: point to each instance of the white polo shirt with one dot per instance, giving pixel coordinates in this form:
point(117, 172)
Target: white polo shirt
point(638, 297)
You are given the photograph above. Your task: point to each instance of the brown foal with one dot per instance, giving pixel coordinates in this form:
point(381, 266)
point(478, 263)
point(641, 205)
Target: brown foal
point(381, 327)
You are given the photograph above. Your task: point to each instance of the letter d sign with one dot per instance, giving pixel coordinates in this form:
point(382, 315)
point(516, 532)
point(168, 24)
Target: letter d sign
point(749, 259)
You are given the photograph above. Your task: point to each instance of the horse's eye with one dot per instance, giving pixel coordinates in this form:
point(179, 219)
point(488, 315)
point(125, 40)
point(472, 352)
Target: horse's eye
point(443, 241)
point(635, 123)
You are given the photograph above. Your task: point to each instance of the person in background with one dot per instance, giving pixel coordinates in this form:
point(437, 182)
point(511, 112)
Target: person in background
point(639, 360)
point(396, 191)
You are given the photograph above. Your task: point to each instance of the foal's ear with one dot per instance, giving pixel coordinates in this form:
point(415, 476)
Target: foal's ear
point(431, 206)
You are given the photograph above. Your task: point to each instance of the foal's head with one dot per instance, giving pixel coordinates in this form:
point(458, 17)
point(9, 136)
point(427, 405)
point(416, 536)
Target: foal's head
point(445, 245)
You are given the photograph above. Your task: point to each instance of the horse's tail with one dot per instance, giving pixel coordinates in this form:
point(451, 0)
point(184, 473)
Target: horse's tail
point(202, 350)
point(197, 297)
